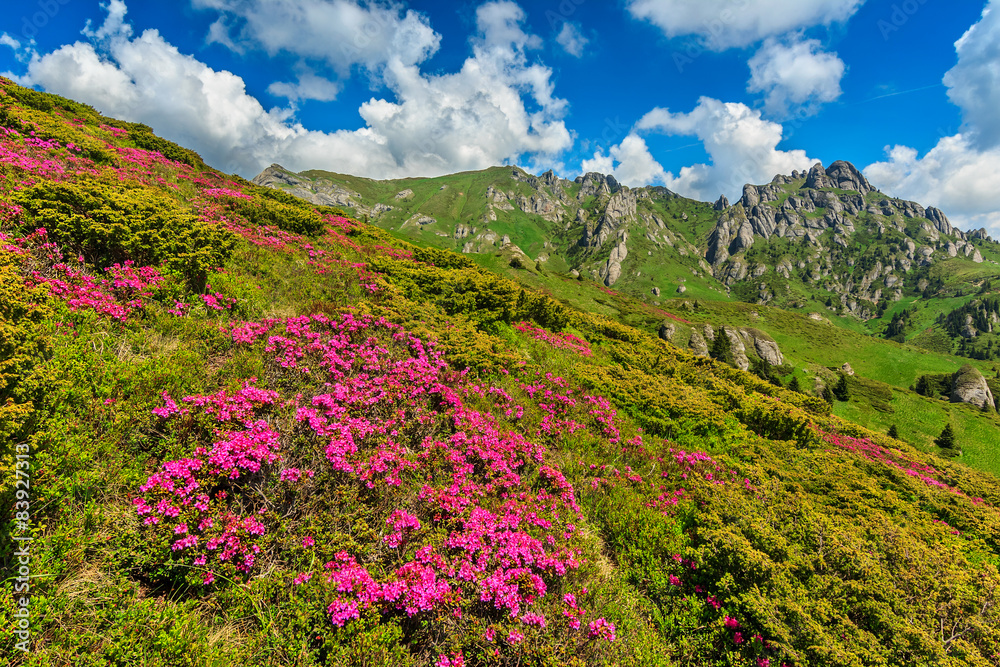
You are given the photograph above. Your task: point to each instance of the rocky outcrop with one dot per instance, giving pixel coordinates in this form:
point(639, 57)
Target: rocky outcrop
point(698, 345)
point(595, 185)
point(721, 204)
point(667, 330)
point(765, 346)
point(463, 231)
point(739, 350)
point(319, 193)
point(969, 386)
point(419, 220)
point(845, 176)
point(613, 269)
point(619, 212)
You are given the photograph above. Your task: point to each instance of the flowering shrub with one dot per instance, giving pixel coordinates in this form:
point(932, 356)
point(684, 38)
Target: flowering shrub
point(562, 341)
point(117, 296)
point(866, 449)
point(389, 420)
point(368, 504)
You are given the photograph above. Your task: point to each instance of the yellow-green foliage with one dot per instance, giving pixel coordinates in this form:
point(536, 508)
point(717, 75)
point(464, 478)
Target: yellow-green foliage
point(22, 344)
point(460, 289)
point(264, 210)
point(109, 224)
point(834, 556)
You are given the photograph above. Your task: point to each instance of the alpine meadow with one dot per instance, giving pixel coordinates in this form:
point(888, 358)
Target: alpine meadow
point(249, 423)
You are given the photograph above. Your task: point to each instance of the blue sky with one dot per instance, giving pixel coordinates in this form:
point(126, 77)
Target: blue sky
point(699, 95)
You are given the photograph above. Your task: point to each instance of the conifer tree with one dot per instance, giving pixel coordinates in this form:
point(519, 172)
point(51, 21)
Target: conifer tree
point(794, 385)
point(946, 441)
point(722, 347)
point(841, 391)
point(893, 432)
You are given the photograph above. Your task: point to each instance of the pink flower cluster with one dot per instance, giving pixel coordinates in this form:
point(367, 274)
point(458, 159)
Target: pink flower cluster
point(117, 296)
point(866, 449)
point(562, 341)
point(41, 157)
point(191, 493)
point(216, 301)
point(218, 193)
point(401, 522)
point(391, 418)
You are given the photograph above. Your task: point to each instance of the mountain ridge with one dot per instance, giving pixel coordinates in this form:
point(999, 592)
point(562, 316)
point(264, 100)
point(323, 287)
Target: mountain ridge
point(817, 209)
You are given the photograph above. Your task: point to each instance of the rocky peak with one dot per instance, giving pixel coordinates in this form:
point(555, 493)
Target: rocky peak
point(841, 174)
point(940, 221)
point(721, 204)
point(595, 184)
point(519, 174)
point(319, 193)
point(846, 176)
point(620, 210)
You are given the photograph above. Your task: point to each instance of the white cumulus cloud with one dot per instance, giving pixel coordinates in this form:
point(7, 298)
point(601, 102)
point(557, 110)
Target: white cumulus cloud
point(742, 147)
point(955, 176)
point(309, 86)
point(7, 40)
point(974, 82)
point(572, 39)
point(795, 75)
point(630, 162)
point(341, 33)
point(435, 124)
point(724, 24)
point(961, 174)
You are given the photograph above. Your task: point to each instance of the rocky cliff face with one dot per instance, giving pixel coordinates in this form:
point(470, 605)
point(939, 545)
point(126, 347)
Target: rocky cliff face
point(820, 212)
point(321, 193)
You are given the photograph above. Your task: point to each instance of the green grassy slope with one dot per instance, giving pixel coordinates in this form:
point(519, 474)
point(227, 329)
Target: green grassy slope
point(282, 436)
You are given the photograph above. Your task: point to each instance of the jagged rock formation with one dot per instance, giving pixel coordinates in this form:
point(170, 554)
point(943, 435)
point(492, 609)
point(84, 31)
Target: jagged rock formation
point(698, 345)
point(969, 386)
point(765, 346)
point(595, 224)
point(739, 350)
point(618, 213)
point(322, 194)
point(821, 211)
point(613, 269)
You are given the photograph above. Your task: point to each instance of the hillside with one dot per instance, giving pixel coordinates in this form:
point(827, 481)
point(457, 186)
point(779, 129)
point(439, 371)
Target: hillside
point(239, 426)
point(819, 241)
point(836, 272)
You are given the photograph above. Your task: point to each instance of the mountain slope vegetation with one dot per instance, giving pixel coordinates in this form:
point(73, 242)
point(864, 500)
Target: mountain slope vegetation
point(835, 270)
point(260, 430)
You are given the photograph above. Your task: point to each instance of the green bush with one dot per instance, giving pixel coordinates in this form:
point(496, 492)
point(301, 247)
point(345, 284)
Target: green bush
point(113, 224)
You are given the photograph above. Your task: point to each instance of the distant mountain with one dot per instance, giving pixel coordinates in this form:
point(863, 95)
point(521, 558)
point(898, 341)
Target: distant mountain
point(825, 240)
